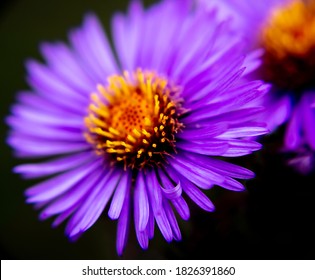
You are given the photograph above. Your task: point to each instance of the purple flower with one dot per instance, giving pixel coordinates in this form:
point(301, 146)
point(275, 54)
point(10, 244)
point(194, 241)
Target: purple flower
point(141, 134)
point(284, 30)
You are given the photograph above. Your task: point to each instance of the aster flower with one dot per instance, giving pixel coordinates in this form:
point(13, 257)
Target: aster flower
point(285, 31)
point(141, 134)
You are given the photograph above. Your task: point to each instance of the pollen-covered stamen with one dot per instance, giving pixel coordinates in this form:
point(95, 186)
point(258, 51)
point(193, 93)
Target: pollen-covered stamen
point(134, 119)
point(289, 42)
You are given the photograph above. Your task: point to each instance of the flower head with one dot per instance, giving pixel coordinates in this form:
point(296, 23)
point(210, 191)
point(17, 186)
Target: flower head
point(285, 30)
point(135, 119)
point(143, 133)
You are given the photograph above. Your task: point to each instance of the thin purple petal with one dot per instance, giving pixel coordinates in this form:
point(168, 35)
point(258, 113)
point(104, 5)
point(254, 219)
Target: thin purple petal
point(119, 196)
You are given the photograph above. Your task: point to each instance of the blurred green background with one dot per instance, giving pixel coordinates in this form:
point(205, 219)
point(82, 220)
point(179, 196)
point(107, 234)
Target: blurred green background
point(273, 219)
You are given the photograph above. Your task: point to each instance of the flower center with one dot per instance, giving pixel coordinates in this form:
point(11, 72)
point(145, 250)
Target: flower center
point(289, 42)
point(134, 119)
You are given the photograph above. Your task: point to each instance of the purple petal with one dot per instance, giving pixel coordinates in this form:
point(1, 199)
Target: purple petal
point(245, 131)
point(214, 148)
point(54, 166)
point(215, 66)
point(196, 132)
point(182, 208)
point(293, 130)
point(143, 239)
point(222, 167)
point(234, 117)
point(37, 148)
point(155, 196)
point(172, 220)
point(226, 78)
point(191, 56)
point(154, 192)
point(176, 191)
point(241, 147)
point(170, 191)
point(234, 97)
point(150, 226)
point(94, 204)
point(233, 185)
point(67, 66)
point(164, 225)
point(196, 195)
point(304, 162)
point(91, 46)
point(309, 121)
point(41, 117)
point(196, 176)
point(123, 224)
point(253, 61)
point(165, 31)
point(141, 212)
point(45, 132)
point(278, 112)
point(127, 33)
point(98, 45)
point(64, 215)
point(56, 186)
point(40, 104)
point(196, 172)
point(74, 195)
point(49, 85)
point(141, 203)
point(119, 196)
point(142, 236)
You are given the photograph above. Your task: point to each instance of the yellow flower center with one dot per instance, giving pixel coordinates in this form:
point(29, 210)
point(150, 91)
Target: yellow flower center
point(134, 119)
point(289, 42)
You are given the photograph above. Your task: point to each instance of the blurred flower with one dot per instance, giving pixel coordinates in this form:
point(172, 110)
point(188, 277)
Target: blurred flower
point(285, 30)
point(172, 102)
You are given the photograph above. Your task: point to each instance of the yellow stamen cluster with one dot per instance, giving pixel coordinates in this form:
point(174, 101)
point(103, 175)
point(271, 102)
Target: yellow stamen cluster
point(289, 42)
point(134, 119)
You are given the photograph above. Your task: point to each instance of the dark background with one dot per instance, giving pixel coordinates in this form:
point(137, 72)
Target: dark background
point(272, 219)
